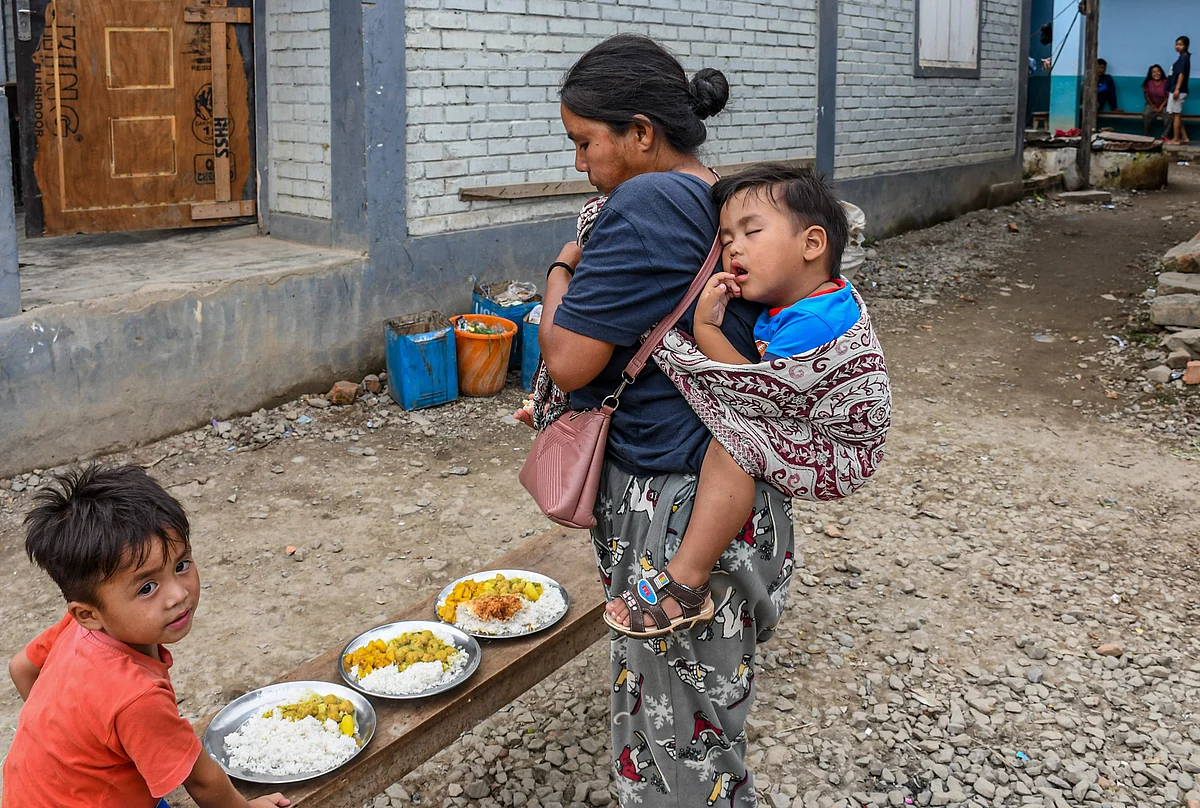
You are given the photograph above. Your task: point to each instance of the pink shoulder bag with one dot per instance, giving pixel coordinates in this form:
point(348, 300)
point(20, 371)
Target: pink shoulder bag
point(562, 471)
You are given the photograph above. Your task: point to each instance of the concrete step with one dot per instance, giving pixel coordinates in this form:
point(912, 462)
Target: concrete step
point(1043, 183)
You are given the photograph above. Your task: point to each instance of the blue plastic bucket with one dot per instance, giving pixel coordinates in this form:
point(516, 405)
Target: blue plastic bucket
point(530, 354)
point(483, 303)
point(421, 365)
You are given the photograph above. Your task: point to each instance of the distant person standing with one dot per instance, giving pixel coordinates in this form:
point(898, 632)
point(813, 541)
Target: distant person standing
point(1106, 88)
point(1155, 90)
point(1177, 86)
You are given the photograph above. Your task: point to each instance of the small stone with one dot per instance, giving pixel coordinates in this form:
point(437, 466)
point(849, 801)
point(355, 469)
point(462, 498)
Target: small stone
point(1034, 675)
point(1085, 197)
point(1192, 374)
point(458, 471)
point(319, 402)
point(833, 531)
point(1013, 228)
point(1110, 649)
point(372, 384)
point(454, 790)
point(1135, 741)
point(1160, 374)
point(1178, 360)
point(343, 393)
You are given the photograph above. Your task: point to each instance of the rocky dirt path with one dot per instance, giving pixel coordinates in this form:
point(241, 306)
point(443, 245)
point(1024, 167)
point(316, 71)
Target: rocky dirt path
point(1007, 615)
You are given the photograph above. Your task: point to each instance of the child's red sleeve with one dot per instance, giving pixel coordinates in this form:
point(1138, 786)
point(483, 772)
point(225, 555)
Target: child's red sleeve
point(39, 648)
point(160, 742)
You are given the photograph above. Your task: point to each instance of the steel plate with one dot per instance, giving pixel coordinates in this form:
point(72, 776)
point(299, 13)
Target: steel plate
point(257, 702)
point(388, 631)
point(517, 630)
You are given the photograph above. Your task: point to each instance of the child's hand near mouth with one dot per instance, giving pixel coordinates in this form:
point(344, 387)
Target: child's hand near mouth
point(720, 289)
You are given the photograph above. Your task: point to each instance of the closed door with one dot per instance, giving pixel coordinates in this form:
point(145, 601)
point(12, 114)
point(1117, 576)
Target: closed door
point(135, 114)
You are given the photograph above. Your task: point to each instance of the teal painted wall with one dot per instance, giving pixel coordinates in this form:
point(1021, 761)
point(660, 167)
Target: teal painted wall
point(1131, 39)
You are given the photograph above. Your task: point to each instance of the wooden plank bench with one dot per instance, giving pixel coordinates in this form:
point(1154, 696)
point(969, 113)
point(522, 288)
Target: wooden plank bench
point(411, 732)
point(1137, 116)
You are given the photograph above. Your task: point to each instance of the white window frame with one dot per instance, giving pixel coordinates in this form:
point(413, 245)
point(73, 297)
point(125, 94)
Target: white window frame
point(948, 38)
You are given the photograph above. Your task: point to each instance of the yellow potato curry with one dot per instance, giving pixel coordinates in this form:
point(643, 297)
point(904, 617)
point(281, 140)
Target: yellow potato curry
point(496, 585)
point(408, 649)
point(321, 708)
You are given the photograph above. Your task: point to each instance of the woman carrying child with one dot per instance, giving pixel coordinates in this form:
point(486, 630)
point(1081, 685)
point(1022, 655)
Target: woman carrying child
point(680, 701)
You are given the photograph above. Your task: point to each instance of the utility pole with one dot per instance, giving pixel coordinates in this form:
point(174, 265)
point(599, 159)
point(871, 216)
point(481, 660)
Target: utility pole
point(1090, 9)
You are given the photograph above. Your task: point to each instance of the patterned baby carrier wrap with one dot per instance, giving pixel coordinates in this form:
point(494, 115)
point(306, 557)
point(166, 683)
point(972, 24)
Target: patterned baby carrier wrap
point(812, 425)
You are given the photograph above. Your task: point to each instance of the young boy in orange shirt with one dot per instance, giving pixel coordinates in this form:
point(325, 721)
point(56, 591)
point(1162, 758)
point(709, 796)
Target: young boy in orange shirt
point(100, 727)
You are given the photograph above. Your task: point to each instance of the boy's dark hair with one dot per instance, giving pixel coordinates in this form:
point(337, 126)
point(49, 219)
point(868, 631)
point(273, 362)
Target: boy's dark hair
point(801, 193)
point(1102, 62)
point(628, 75)
point(91, 522)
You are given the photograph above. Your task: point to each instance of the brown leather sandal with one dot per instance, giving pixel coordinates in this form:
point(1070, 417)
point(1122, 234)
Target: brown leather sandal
point(646, 598)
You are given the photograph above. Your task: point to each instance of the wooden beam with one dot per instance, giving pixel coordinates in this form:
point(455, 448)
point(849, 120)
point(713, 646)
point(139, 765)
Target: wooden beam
point(535, 190)
point(1091, 80)
point(411, 732)
point(222, 210)
point(207, 14)
point(220, 101)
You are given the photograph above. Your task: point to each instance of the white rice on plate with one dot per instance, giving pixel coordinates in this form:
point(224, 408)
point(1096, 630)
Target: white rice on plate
point(416, 678)
point(533, 615)
point(277, 745)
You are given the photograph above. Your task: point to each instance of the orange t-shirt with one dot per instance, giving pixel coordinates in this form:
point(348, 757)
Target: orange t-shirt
point(100, 728)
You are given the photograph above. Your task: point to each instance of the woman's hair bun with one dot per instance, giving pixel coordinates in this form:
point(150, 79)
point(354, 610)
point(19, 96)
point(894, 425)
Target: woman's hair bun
point(710, 92)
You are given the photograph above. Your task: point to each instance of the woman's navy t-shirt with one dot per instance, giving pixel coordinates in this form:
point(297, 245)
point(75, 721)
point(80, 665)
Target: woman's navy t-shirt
point(1182, 67)
point(648, 243)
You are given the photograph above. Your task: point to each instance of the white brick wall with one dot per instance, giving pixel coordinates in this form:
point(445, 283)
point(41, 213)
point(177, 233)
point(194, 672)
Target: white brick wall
point(889, 120)
point(298, 106)
point(483, 81)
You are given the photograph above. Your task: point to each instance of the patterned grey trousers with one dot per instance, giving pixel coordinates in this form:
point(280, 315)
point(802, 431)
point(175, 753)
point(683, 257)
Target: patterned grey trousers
point(680, 703)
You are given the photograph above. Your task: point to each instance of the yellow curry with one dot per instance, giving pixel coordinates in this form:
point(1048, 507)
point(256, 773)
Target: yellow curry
point(496, 585)
point(408, 649)
point(321, 708)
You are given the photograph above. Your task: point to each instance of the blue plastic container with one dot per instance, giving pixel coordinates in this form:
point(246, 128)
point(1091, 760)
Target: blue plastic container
point(530, 354)
point(421, 365)
point(482, 302)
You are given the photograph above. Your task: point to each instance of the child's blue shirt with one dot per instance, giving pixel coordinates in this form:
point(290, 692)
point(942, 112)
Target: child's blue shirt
point(806, 324)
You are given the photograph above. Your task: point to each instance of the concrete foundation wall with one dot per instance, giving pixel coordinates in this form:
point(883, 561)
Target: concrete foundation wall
point(483, 91)
point(298, 78)
point(79, 379)
point(890, 120)
point(1143, 171)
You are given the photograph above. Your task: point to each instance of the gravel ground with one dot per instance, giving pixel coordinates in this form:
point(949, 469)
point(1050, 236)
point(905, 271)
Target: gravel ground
point(1007, 615)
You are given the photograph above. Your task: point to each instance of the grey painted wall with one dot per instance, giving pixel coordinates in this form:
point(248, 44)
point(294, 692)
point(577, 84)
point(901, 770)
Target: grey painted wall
point(10, 281)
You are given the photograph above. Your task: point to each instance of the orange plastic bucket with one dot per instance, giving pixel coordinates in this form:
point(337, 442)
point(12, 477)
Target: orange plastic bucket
point(482, 358)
